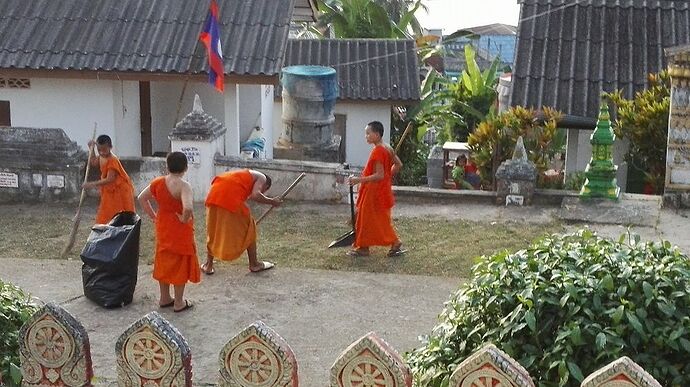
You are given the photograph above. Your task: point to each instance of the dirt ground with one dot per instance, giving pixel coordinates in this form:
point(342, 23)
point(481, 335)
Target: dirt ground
point(305, 306)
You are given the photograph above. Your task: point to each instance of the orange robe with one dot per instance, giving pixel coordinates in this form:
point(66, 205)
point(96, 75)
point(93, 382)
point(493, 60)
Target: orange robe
point(230, 226)
point(374, 226)
point(117, 196)
point(175, 262)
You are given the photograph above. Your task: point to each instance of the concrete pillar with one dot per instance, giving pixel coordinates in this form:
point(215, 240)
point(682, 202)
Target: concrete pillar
point(200, 137)
point(677, 185)
point(267, 106)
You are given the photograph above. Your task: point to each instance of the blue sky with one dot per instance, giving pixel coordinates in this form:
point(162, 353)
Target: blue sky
point(452, 15)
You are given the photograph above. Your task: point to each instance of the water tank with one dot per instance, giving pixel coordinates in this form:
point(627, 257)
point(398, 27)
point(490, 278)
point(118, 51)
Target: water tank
point(309, 95)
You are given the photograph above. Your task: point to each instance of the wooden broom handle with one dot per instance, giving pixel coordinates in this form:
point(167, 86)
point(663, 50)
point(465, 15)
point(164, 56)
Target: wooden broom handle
point(282, 196)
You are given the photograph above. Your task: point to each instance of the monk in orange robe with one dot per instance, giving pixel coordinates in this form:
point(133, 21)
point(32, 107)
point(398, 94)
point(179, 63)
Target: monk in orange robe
point(117, 191)
point(374, 225)
point(176, 261)
point(230, 227)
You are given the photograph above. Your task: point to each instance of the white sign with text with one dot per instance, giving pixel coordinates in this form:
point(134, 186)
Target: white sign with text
point(9, 180)
point(192, 153)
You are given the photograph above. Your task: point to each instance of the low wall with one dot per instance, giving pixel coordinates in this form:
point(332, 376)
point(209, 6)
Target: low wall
point(152, 352)
point(39, 164)
point(324, 182)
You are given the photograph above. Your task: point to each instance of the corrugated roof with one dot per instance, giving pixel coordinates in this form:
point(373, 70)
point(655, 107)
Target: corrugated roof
point(136, 35)
point(569, 52)
point(367, 69)
point(491, 29)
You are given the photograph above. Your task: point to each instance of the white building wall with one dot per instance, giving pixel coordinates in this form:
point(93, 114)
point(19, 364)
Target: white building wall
point(127, 118)
point(250, 109)
point(71, 104)
point(358, 115)
point(232, 120)
point(165, 97)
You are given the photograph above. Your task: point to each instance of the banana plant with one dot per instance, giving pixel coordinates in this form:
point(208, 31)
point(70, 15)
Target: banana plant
point(456, 107)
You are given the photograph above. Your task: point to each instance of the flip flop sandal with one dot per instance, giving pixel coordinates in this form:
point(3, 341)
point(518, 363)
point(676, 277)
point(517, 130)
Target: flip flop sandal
point(265, 265)
point(187, 305)
point(169, 304)
point(357, 253)
point(396, 252)
point(203, 270)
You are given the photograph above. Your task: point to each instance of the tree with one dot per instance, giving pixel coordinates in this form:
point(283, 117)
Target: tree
point(455, 108)
point(351, 19)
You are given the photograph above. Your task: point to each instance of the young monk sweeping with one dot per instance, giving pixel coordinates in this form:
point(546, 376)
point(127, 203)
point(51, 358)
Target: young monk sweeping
point(117, 191)
point(230, 227)
point(374, 225)
point(176, 261)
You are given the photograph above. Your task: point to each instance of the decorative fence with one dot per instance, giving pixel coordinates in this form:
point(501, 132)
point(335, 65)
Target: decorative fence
point(54, 351)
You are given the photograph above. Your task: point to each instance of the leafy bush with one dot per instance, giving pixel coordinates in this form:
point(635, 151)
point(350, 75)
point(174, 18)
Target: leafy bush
point(574, 181)
point(15, 308)
point(493, 141)
point(644, 121)
point(565, 307)
point(413, 153)
point(455, 108)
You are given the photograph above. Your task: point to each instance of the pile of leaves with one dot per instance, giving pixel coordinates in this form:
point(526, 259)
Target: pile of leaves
point(567, 306)
point(15, 309)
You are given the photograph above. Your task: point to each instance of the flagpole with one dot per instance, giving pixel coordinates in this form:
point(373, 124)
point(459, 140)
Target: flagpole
point(189, 68)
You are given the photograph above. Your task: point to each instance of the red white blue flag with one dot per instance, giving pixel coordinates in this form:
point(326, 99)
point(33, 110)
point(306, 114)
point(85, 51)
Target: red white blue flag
point(210, 36)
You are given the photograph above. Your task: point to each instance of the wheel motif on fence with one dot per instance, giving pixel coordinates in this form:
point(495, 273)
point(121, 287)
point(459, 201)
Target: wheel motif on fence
point(367, 372)
point(49, 342)
point(255, 364)
point(147, 356)
point(485, 378)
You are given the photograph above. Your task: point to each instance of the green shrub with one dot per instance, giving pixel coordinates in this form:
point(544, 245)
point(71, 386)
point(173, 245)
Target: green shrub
point(494, 139)
point(413, 153)
point(575, 180)
point(644, 121)
point(567, 306)
point(15, 308)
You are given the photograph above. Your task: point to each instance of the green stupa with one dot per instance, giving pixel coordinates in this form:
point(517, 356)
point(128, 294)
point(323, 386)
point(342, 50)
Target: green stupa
point(601, 172)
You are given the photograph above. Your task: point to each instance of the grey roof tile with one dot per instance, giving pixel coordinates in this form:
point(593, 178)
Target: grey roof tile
point(568, 51)
point(135, 35)
point(367, 69)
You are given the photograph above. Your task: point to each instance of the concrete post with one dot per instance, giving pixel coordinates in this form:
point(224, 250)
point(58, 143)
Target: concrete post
point(200, 137)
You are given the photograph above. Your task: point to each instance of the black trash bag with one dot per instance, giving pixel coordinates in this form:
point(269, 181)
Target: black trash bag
point(111, 261)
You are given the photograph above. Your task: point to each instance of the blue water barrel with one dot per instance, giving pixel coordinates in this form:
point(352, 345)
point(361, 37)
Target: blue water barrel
point(309, 95)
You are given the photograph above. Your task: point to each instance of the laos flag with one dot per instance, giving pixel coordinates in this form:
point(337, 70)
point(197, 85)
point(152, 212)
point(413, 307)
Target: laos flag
point(210, 36)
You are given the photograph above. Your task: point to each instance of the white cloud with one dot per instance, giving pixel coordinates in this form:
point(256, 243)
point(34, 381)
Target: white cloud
point(452, 15)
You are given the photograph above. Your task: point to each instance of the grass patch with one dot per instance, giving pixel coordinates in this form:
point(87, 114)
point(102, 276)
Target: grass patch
point(291, 238)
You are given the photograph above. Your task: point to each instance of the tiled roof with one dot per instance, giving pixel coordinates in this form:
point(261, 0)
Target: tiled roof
point(136, 35)
point(367, 69)
point(569, 51)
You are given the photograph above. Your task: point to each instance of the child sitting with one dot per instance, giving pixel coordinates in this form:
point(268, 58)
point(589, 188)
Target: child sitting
point(458, 173)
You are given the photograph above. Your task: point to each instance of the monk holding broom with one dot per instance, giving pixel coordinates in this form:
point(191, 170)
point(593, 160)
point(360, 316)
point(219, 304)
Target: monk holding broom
point(117, 191)
point(230, 227)
point(374, 225)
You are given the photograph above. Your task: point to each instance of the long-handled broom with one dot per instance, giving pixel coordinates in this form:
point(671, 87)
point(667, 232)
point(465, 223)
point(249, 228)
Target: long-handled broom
point(282, 196)
point(348, 238)
point(77, 217)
